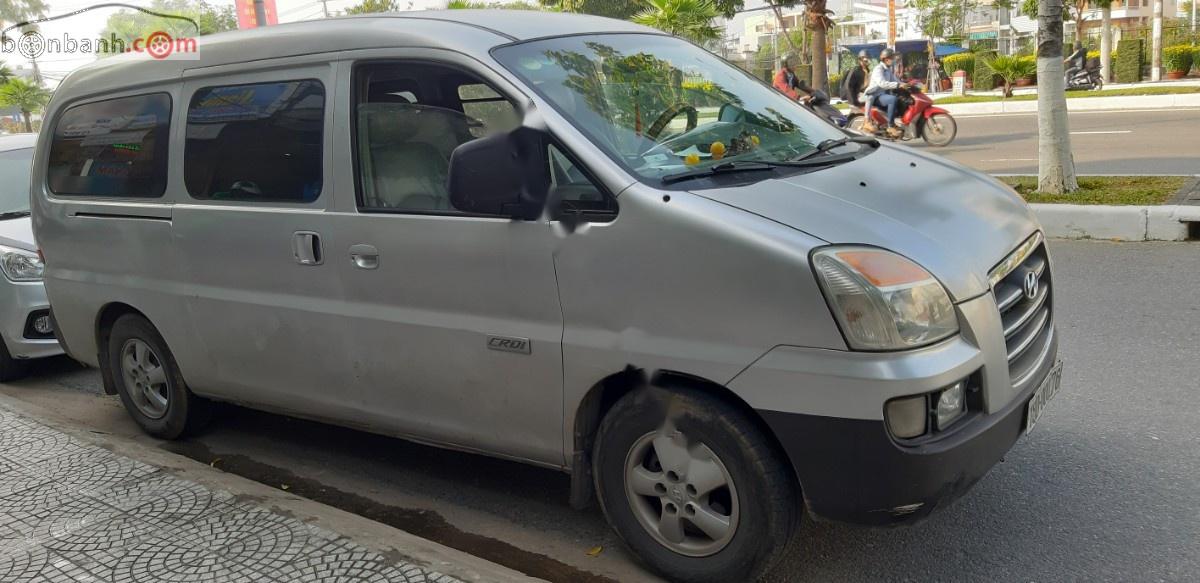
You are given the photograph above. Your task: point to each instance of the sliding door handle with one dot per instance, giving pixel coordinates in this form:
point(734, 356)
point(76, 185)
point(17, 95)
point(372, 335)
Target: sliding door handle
point(364, 256)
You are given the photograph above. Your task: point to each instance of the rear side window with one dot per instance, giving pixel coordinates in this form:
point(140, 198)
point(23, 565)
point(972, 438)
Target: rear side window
point(116, 148)
point(259, 142)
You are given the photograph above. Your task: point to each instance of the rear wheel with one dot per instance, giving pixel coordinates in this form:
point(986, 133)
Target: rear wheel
point(149, 382)
point(939, 130)
point(693, 487)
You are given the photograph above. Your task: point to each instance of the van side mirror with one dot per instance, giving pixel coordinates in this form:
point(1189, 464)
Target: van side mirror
point(505, 174)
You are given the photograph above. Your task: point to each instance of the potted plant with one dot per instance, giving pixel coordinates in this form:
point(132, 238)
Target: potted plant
point(1010, 69)
point(1177, 60)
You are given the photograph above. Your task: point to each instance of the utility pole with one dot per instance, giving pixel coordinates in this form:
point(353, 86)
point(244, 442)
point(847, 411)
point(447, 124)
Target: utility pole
point(1193, 15)
point(891, 24)
point(260, 13)
point(1156, 43)
point(325, 7)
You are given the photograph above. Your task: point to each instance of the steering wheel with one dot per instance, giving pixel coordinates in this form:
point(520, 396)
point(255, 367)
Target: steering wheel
point(661, 123)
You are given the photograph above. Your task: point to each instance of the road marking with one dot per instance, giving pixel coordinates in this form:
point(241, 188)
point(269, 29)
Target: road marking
point(1083, 112)
point(1011, 160)
point(1102, 132)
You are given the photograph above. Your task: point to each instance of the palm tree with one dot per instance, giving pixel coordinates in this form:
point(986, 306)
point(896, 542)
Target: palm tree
point(816, 19)
point(1056, 167)
point(1105, 38)
point(25, 96)
point(5, 72)
point(689, 19)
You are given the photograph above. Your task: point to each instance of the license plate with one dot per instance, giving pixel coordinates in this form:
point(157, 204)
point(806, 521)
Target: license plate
point(1043, 394)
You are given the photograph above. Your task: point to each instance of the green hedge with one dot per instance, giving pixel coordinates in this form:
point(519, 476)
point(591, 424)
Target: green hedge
point(1177, 58)
point(1196, 57)
point(1128, 66)
point(962, 61)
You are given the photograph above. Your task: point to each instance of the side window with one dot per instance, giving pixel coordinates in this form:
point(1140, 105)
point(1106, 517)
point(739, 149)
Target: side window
point(259, 142)
point(576, 191)
point(410, 117)
point(482, 103)
point(116, 147)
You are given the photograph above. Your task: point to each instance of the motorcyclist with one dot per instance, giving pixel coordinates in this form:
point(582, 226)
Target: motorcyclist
point(881, 92)
point(787, 82)
point(856, 82)
point(1076, 61)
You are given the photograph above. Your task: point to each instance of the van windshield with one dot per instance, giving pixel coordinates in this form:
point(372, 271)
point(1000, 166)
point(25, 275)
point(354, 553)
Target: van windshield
point(14, 181)
point(659, 105)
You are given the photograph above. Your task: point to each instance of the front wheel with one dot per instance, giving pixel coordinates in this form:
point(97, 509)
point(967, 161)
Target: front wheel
point(856, 123)
point(939, 129)
point(692, 486)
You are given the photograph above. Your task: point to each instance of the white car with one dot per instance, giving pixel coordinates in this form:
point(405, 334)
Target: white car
point(26, 328)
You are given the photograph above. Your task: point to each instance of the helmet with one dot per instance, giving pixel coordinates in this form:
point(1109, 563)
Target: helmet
point(886, 54)
point(863, 54)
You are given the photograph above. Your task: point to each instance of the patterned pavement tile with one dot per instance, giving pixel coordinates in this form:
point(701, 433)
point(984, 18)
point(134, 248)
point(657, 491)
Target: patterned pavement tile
point(75, 513)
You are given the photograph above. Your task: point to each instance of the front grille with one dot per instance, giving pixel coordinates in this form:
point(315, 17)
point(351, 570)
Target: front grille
point(1026, 318)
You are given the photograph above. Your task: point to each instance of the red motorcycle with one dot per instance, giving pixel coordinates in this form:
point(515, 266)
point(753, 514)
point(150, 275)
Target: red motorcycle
point(916, 111)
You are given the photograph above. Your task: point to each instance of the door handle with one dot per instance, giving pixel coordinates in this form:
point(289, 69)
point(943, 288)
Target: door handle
point(306, 247)
point(364, 256)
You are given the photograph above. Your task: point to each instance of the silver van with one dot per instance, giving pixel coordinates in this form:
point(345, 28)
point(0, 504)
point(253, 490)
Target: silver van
point(564, 240)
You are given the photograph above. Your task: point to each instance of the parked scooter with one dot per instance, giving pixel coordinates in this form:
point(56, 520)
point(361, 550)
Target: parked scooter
point(918, 115)
point(1087, 78)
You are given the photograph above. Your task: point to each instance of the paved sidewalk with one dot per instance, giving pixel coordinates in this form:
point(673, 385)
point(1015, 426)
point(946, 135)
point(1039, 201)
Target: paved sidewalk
point(70, 511)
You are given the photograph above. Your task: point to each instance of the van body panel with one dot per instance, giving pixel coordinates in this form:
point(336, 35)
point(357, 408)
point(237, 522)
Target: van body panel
point(689, 297)
point(954, 223)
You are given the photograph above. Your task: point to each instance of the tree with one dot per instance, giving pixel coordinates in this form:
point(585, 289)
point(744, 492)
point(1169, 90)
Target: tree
point(620, 9)
point(1156, 43)
point(373, 6)
point(1056, 167)
point(777, 7)
point(5, 73)
point(690, 19)
point(1105, 39)
point(817, 19)
point(25, 96)
point(14, 11)
point(129, 24)
point(940, 18)
point(1010, 69)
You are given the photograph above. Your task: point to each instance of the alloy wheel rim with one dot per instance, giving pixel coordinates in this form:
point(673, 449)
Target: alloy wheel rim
point(681, 493)
point(145, 378)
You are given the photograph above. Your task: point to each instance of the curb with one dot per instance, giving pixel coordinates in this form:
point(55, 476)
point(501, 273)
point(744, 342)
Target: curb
point(1079, 104)
point(389, 541)
point(1117, 223)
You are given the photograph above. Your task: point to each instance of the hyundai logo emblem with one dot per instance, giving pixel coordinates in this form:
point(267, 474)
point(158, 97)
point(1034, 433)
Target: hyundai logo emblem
point(1031, 285)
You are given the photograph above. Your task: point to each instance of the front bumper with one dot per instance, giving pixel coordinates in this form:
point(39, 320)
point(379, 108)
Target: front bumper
point(17, 301)
point(826, 410)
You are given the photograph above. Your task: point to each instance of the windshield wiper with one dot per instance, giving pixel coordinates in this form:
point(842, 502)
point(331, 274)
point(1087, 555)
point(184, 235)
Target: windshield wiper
point(827, 145)
point(13, 215)
point(722, 168)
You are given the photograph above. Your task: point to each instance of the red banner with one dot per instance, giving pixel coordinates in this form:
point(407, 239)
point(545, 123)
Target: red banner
point(246, 14)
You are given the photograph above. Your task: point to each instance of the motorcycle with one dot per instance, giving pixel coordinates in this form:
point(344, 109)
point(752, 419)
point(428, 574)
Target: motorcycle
point(1087, 78)
point(917, 114)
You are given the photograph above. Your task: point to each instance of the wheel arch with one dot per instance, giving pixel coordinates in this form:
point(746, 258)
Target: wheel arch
point(105, 319)
point(605, 393)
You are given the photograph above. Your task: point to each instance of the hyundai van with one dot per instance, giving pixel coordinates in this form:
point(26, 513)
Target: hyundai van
point(558, 239)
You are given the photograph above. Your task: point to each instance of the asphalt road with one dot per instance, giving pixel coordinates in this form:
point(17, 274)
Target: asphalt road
point(1164, 141)
point(1106, 488)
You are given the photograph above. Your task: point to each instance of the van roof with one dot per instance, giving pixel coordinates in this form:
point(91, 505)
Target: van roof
point(468, 31)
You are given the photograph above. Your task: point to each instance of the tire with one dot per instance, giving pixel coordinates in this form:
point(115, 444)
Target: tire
point(11, 369)
point(759, 502)
point(167, 409)
point(939, 130)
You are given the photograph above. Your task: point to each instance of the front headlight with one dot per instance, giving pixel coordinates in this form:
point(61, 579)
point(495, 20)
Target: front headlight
point(883, 301)
point(20, 265)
